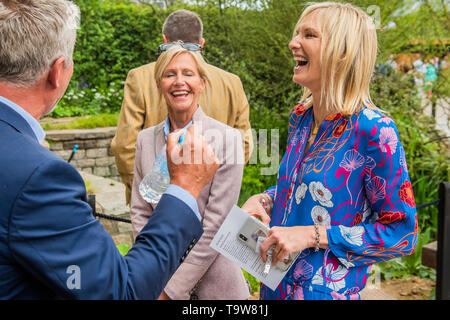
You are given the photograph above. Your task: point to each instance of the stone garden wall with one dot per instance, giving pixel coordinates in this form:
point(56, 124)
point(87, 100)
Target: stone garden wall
point(93, 154)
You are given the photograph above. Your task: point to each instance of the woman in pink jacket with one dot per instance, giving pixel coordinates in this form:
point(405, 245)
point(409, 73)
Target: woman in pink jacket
point(204, 274)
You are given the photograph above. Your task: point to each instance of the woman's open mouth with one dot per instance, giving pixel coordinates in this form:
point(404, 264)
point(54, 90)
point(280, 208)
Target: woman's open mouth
point(300, 62)
point(180, 93)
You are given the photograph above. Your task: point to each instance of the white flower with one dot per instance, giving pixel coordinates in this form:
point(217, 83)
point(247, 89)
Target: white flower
point(300, 193)
point(321, 194)
point(352, 235)
point(303, 270)
point(369, 113)
point(320, 216)
point(335, 278)
point(346, 263)
point(352, 160)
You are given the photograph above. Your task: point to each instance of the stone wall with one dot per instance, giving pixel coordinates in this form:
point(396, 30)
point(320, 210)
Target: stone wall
point(110, 200)
point(93, 154)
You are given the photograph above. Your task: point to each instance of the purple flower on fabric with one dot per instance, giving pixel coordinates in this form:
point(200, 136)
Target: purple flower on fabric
point(375, 189)
point(385, 120)
point(388, 137)
point(298, 294)
point(303, 271)
point(352, 160)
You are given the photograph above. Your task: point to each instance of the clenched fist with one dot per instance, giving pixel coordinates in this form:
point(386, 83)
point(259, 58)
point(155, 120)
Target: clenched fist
point(192, 164)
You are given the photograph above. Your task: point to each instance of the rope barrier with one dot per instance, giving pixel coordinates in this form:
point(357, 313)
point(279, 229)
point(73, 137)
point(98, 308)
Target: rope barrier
point(421, 206)
point(105, 216)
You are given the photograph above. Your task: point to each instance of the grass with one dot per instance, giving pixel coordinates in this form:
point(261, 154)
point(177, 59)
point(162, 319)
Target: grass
point(254, 283)
point(85, 122)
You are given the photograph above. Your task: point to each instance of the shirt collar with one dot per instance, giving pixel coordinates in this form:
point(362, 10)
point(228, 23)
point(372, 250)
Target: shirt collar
point(195, 117)
point(32, 122)
point(166, 127)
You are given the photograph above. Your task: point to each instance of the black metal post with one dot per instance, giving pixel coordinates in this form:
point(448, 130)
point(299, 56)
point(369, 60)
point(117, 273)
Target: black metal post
point(443, 251)
point(75, 147)
point(91, 201)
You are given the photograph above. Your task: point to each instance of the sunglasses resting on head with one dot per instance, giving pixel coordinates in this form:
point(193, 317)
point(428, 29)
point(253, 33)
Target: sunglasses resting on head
point(185, 45)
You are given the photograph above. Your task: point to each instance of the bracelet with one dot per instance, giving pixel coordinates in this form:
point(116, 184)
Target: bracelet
point(265, 203)
point(316, 229)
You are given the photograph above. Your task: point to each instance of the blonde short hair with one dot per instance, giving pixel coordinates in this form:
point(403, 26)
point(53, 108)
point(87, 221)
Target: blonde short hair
point(33, 34)
point(174, 51)
point(348, 55)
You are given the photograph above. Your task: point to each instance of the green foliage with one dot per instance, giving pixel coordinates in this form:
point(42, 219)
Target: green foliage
point(85, 122)
point(423, 30)
point(90, 189)
point(114, 37)
point(80, 101)
point(254, 283)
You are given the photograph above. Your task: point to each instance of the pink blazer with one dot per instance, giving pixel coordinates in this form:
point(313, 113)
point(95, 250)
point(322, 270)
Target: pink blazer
point(216, 277)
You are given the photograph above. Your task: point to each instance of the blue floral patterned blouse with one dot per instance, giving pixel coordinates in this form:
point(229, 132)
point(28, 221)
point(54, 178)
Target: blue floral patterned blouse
point(354, 180)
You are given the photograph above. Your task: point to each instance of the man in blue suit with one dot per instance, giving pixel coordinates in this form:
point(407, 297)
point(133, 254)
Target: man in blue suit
point(51, 246)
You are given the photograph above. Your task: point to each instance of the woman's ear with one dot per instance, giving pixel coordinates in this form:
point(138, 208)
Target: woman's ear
point(158, 86)
point(203, 84)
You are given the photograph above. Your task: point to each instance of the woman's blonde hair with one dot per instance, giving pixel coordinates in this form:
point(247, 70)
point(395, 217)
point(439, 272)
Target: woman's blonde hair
point(174, 51)
point(348, 55)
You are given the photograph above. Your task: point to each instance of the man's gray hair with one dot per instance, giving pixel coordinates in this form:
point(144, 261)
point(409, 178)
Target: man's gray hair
point(183, 25)
point(33, 34)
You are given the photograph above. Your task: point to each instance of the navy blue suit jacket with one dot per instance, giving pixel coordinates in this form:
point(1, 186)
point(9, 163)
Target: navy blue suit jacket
point(51, 246)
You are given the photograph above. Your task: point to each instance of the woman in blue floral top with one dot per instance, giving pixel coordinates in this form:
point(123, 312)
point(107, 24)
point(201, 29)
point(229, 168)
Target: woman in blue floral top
point(343, 197)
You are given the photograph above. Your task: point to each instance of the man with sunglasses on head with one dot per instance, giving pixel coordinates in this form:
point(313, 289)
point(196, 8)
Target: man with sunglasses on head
point(143, 107)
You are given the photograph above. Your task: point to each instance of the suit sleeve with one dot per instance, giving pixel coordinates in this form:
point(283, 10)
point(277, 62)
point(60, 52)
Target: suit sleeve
point(55, 238)
point(130, 122)
point(224, 193)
